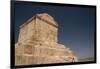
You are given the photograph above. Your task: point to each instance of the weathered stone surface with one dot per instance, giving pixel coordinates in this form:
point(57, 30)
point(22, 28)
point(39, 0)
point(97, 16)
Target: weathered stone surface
point(37, 43)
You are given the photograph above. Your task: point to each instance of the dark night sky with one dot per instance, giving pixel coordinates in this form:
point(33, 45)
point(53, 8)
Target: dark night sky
point(76, 25)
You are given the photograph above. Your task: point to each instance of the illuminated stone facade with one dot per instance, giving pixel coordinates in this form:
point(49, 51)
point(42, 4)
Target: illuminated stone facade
point(38, 43)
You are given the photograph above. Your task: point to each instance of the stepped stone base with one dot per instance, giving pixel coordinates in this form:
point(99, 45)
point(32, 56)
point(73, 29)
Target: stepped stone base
point(43, 55)
point(30, 59)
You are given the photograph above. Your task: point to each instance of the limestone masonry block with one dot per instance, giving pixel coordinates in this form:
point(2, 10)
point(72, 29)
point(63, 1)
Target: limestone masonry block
point(38, 43)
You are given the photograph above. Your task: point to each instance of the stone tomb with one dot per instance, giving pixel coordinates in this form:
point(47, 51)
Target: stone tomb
point(38, 43)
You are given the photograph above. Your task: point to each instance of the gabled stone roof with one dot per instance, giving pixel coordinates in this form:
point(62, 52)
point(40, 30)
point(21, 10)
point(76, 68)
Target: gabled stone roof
point(43, 16)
